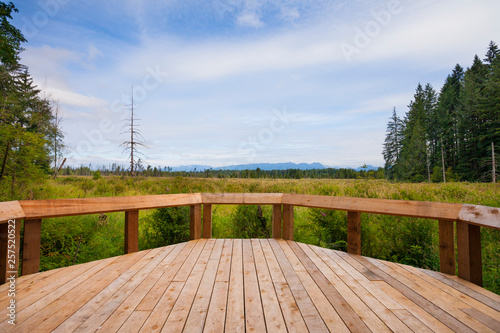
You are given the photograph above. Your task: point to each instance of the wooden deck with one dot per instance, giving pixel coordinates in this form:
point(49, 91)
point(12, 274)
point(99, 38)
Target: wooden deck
point(238, 285)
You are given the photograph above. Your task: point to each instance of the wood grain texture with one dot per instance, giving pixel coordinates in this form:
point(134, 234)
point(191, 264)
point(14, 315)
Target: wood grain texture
point(469, 252)
point(354, 232)
point(422, 209)
point(195, 222)
point(288, 222)
point(131, 231)
point(276, 232)
point(10, 210)
point(35, 209)
point(207, 221)
point(447, 247)
point(236, 285)
point(242, 198)
point(480, 215)
point(31, 246)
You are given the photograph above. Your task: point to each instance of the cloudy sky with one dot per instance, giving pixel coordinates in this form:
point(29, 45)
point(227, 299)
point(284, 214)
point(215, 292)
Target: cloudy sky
point(244, 81)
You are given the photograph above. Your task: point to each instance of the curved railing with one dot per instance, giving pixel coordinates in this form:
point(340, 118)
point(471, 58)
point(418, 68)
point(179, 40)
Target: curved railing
point(468, 218)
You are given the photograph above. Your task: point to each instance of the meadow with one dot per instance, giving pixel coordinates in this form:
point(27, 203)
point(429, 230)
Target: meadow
point(411, 241)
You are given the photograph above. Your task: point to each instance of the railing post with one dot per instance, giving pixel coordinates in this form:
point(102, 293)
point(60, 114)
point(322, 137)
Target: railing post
point(354, 232)
point(277, 221)
point(131, 231)
point(446, 247)
point(469, 252)
point(288, 222)
point(207, 221)
point(195, 222)
point(31, 246)
point(9, 261)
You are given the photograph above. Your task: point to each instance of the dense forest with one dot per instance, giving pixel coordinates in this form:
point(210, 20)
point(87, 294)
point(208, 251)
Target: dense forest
point(29, 129)
point(456, 130)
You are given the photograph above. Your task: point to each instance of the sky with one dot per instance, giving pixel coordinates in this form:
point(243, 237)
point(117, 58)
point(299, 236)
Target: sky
point(229, 82)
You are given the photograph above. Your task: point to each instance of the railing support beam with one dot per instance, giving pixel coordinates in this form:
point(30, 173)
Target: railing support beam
point(195, 222)
point(9, 251)
point(31, 246)
point(131, 231)
point(207, 221)
point(469, 252)
point(354, 233)
point(288, 222)
point(277, 221)
point(446, 247)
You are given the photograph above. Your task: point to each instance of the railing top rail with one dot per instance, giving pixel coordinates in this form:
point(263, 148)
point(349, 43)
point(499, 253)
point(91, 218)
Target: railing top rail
point(35, 209)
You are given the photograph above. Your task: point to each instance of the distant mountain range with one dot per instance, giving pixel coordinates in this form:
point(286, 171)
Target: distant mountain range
point(266, 167)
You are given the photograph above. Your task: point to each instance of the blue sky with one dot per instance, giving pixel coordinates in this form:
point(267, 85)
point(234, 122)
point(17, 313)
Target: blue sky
point(239, 81)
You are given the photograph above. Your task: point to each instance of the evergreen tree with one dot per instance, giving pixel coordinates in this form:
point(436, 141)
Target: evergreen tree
point(470, 122)
point(448, 113)
point(392, 144)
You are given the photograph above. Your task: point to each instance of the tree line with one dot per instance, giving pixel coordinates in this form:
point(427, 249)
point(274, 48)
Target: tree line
point(150, 171)
point(450, 135)
point(30, 137)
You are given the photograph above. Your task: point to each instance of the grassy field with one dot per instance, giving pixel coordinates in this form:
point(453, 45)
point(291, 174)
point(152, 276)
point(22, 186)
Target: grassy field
point(406, 240)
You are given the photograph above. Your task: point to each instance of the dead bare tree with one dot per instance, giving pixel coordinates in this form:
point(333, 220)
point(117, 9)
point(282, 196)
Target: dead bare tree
point(136, 138)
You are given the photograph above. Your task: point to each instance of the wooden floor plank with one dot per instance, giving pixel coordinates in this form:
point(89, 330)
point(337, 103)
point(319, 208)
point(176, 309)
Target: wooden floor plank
point(158, 316)
point(361, 279)
point(198, 313)
point(470, 289)
point(254, 315)
point(411, 321)
point(350, 310)
point(248, 285)
point(417, 311)
point(137, 274)
point(134, 322)
point(370, 300)
point(177, 317)
point(291, 312)
point(98, 278)
point(437, 283)
point(270, 305)
point(306, 306)
point(216, 318)
point(415, 297)
point(172, 264)
point(91, 307)
point(144, 279)
point(235, 312)
point(437, 296)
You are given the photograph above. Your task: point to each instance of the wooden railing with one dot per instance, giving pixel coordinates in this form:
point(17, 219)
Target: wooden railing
point(468, 218)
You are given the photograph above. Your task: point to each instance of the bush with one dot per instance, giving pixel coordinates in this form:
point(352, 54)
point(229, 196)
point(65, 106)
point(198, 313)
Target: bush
point(165, 226)
point(251, 222)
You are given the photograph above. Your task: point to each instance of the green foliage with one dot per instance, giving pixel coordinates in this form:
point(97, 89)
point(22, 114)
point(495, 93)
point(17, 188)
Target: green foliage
point(97, 175)
point(458, 126)
point(165, 226)
point(251, 222)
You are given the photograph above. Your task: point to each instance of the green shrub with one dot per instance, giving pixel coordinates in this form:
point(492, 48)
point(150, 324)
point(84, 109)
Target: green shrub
point(165, 226)
point(251, 222)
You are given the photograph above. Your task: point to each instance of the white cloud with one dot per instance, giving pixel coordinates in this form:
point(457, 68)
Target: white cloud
point(251, 20)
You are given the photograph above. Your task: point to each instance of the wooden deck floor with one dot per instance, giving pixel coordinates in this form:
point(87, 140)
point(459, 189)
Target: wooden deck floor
point(247, 285)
